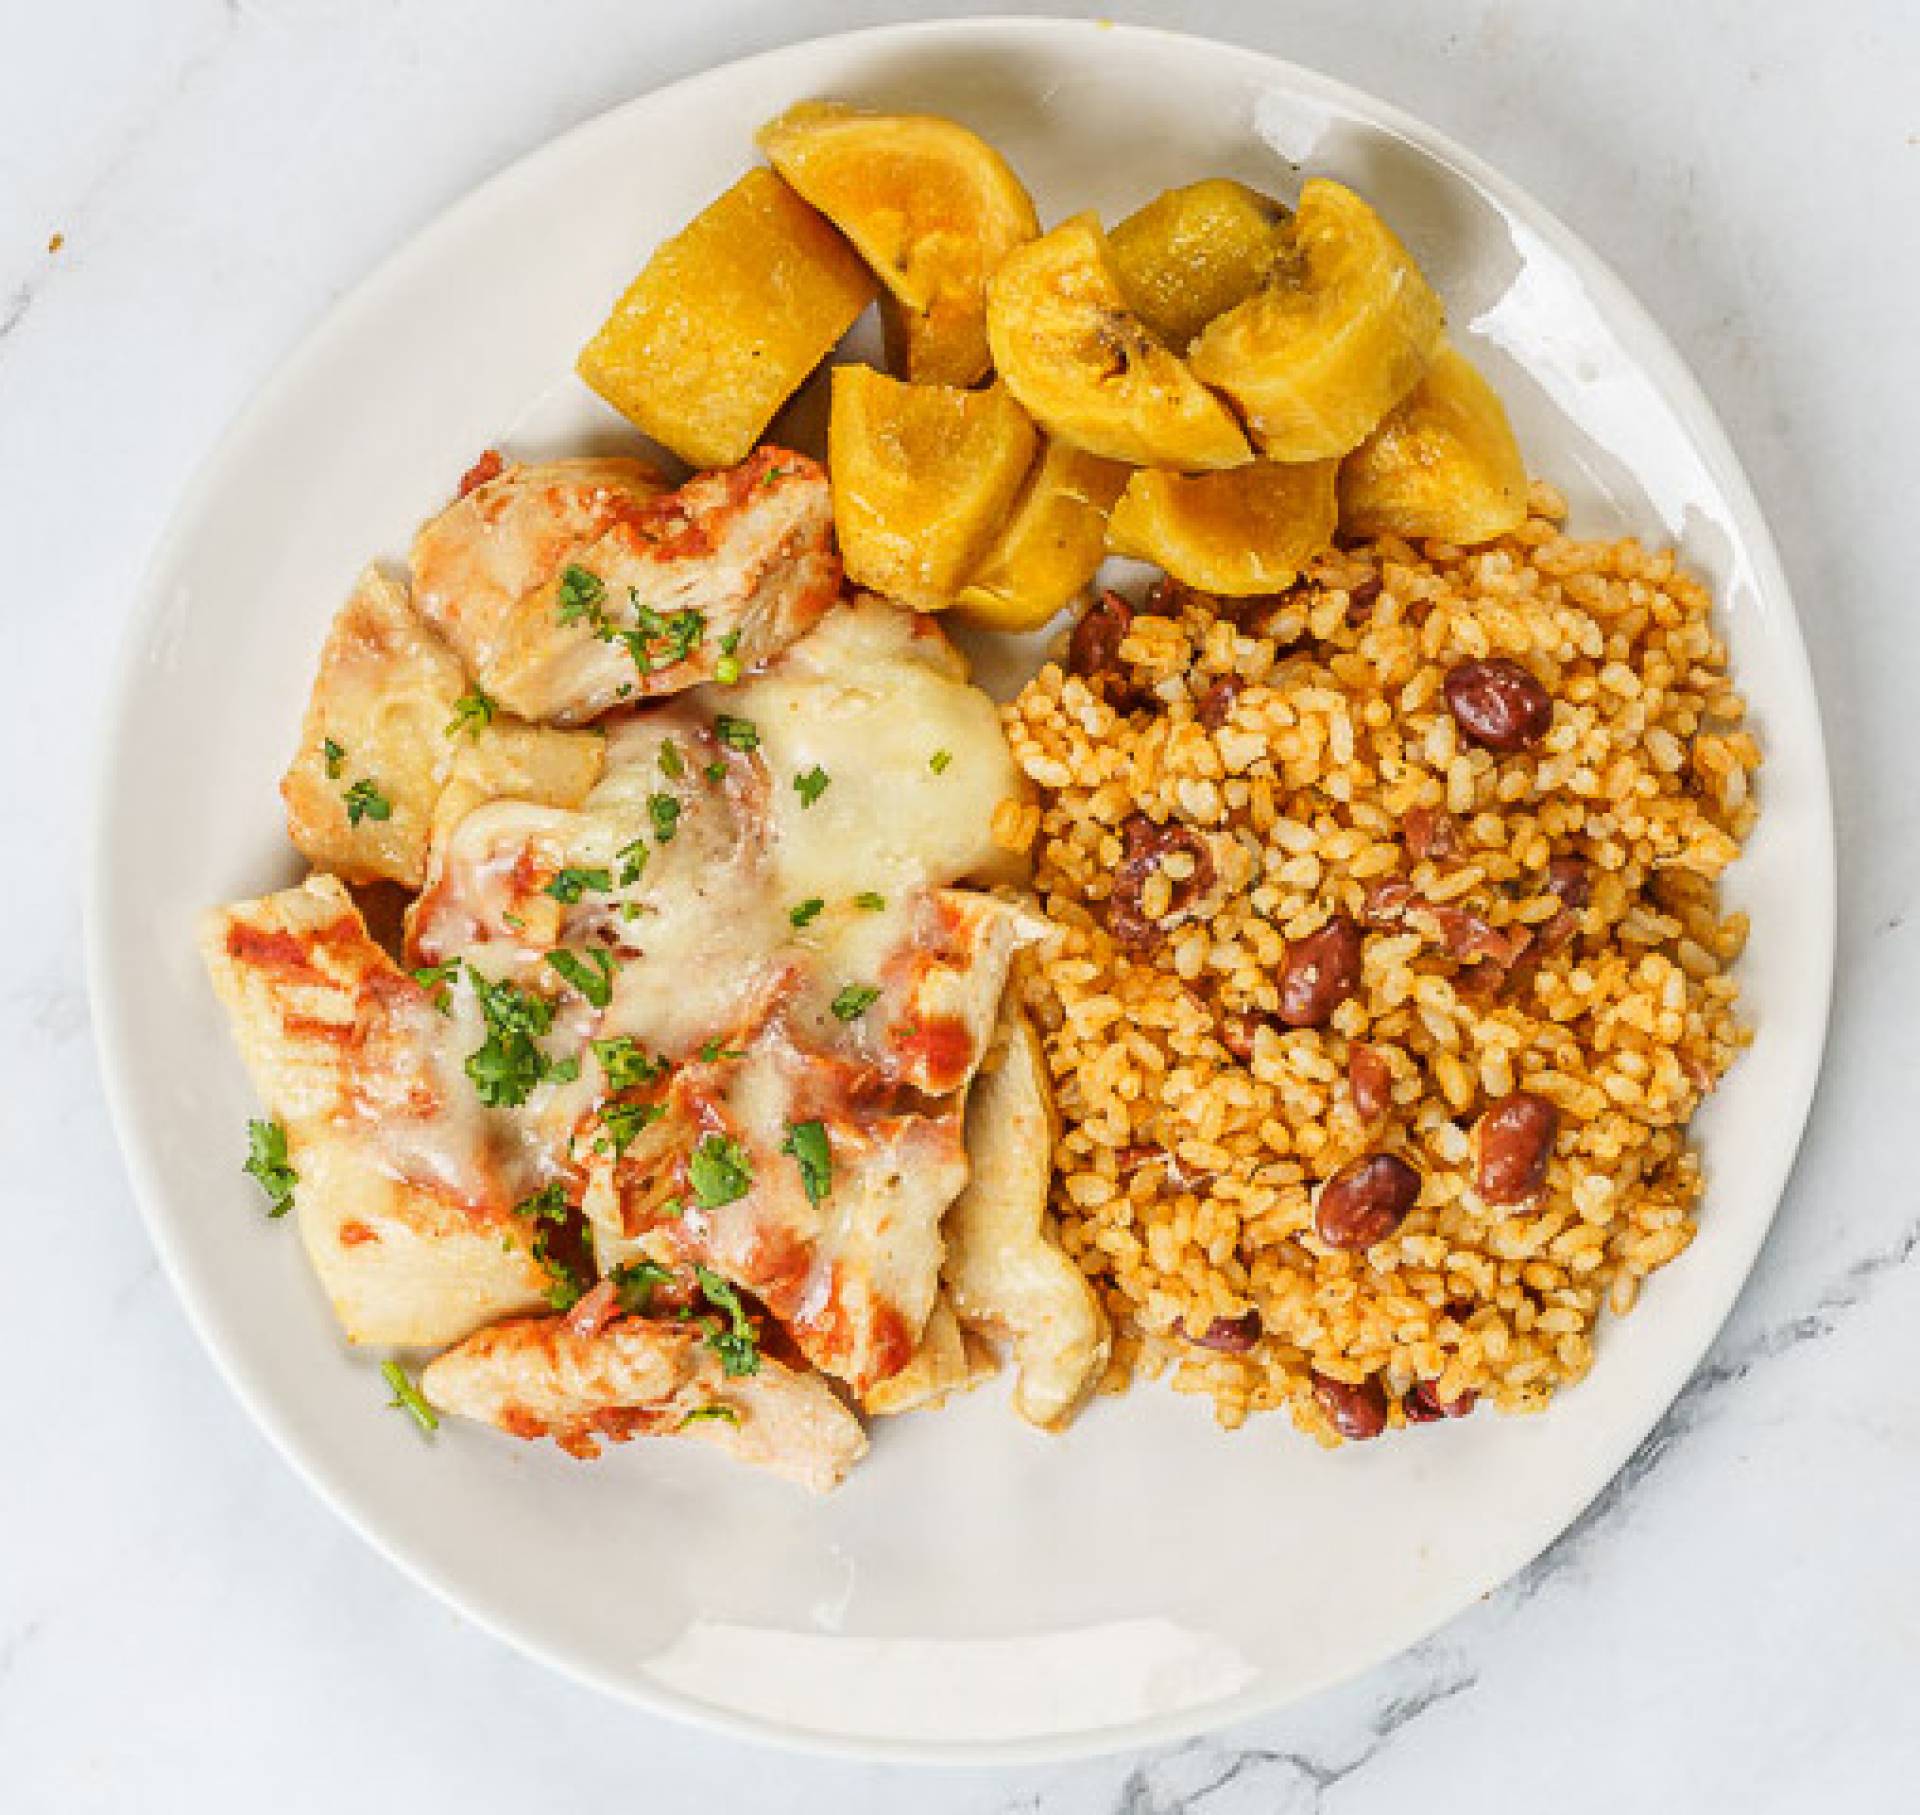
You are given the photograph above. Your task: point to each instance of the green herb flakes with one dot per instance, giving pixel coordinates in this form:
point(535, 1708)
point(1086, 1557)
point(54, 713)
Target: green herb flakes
point(570, 884)
point(408, 1398)
point(626, 1066)
point(854, 1001)
point(365, 801)
point(735, 1342)
point(810, 1150)
point(719, 1172)
point(581, 593)
point(472, 713)
point(593, 980)
point(267, 1164)
point(740, 734)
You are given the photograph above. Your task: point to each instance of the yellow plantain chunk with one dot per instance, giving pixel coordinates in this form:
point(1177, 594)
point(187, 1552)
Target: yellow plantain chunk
point(1193, 253)
point(1086, 367)
point(1049, 548)
point(726, 321)
point(1339, 334)
point(1444, 464)
point(931, 207)
point(922, 477)
point(1237, 534)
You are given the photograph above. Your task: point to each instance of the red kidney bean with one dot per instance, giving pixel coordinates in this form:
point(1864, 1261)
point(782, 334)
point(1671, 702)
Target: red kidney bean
point(1513, 1142)
point(1356, 1412)
point(1168, 598)
point(1423, 1405)
point(1093, 653)
point(1320, 972)
point(1498, 704)
point(1361, 599)
point(1469, 936)
point(1230, 1335)
point(1366, 1201)
point(1387, 902)
point(1369, 1083)
point(1216, 704)
point(1567, 877)
point(1430, 833)
point(1145, 847)
point(1094, 647)
point(1131, 1158)
point(1236, 1035)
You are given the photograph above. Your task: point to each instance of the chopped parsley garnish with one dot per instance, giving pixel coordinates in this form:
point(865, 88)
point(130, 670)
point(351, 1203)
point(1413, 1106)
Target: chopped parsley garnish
point(566, 1285)
point(807, 911)
point(664, 811)
point(626, 1066)
point(735, 1343)
point(595, 980)
point(580, 595)
point(715, 771)
point(508, 1066)
point(675, 635)
point(730, 643)
point(635, 1282)
point(632, 859)
point(939, 760)
point(811, 785)
point(671, 765)
point(514, 921)
point(708, 1414)
point(267, 1163)
point(712, 1051)
point(365, 801)
point(807, 1143)
point(472, 713)
point(718, 1172)
point(683, 630)
point(437, 981)
point(624, 1122)
point(548, 1204)
point(569, 885)
point(854, 1001)
point(740, 734)
point(727, 671)
point(873, 903)
point(334, 757)
point(563, 1071)
point(408, 1398)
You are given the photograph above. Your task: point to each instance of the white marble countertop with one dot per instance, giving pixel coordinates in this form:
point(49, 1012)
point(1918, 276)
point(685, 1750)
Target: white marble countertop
point(1734, 1626)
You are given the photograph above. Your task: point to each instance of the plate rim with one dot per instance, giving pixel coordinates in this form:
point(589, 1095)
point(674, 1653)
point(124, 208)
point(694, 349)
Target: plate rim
point(1678, 387)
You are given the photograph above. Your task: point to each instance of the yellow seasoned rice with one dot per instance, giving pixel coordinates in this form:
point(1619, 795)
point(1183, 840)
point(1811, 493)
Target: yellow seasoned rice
point(1186, 1175)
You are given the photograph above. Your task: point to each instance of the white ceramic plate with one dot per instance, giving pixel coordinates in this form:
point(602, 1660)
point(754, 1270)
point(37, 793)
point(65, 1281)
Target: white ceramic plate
point(976, 1590)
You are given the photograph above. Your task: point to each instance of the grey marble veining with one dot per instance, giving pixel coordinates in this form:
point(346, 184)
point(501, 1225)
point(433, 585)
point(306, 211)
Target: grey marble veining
point(1733, 1625)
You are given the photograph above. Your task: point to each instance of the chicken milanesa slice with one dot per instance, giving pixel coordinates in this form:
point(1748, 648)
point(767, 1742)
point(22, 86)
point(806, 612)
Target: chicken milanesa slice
point(835, 1230)
point(635, 1377)
point(575, 586)
point(949, 1360)
point(374, 751)
point(404, 1195)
